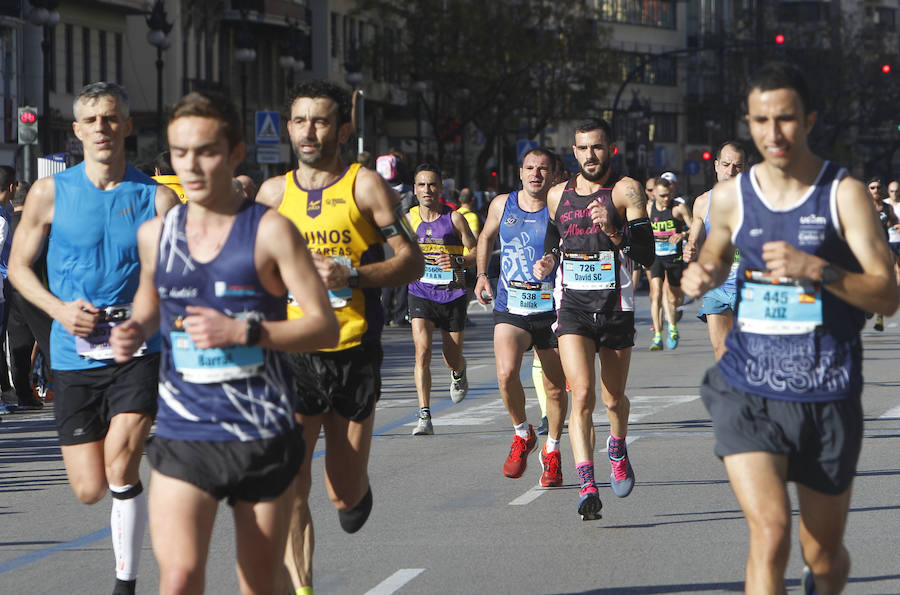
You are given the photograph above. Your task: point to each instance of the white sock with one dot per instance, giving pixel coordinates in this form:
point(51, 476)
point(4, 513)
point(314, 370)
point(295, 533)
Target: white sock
point(551, 445)
point(522, 430)
point(128, 521)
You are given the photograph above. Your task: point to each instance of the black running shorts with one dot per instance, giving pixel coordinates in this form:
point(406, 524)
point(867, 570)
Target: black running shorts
point(667, 266)
point(87, 399)
point(450, 317)
point(539, 326)
point(347, 381)
point(253, 471)
point(822, 440)
point(613, 330)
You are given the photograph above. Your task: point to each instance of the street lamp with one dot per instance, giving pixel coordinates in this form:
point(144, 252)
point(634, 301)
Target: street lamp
point(292, 53)
point(354, 78)
point(419, 86)
point(158, 36)
point(44, 14)
point(244, 53)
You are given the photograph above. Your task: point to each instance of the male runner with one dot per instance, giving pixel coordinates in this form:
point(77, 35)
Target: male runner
point(213, 276)
point(524, 311)
point(717, 308)
point(893, 201)
point(670, 221)
point(602, 220)
point(639, 270)
point(346, 213)
point(785, 397)
point(103, 409)
point(438, 299)
point(889, 222)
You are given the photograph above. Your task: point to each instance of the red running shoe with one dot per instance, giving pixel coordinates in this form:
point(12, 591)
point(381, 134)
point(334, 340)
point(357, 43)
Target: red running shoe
point(518, 454)
point(550, 463)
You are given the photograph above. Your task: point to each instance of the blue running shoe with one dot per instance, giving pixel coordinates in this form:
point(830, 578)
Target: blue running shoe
point(589, 505)
point(672, 340)
point(621, 480)
point(809, 587)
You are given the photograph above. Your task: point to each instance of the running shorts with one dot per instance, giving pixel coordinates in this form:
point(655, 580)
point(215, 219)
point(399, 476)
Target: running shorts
point(539, 326)
point(613, 330)
point(716, 301)
point(668, 267)
point(450, 317)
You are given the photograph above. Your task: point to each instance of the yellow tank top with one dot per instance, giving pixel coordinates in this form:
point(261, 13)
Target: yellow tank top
point(333, 226)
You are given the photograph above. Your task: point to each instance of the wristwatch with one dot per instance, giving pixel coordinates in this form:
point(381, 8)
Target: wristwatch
point(353, 279)
point(829, 274)
point(460, 260)
point(254, 330)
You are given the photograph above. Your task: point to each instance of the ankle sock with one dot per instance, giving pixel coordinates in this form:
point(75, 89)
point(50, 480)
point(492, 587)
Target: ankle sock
point(522, 430)
point(551, 445)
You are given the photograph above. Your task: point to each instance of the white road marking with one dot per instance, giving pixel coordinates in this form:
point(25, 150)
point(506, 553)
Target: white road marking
point(479, 415)
point(395, 403)
point(890, 413)
point(392, 583)
point(529, 496)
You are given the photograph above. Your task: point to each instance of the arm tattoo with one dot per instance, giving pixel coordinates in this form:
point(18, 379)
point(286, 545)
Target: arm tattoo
point(636, 197)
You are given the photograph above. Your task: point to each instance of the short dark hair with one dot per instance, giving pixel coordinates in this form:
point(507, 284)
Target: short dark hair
point(7, 177)
point(163, 163)
point(21, 193)
point(315, 88)
point(734, 144)
point(210, 104)
point(782, 75)
point(596, 124)
point(429, 167)
point(541, 152)
point(874, 179)
point(661, 182)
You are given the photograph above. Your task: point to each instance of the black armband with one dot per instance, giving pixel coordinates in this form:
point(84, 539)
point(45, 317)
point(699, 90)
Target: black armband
point(639, 246)
point(400, 227)
point(551, 240)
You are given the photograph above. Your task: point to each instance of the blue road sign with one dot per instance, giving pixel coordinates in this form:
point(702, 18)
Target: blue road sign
point(523, 146)
point(267, 128)
point(692, 167)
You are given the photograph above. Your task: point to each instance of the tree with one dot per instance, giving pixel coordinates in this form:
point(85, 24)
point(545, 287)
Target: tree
point(499, 65)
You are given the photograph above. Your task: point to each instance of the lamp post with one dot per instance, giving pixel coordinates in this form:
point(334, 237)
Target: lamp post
point(158, 36)
point(44, 14)
point(244, 53)
point(419, 86)
point(354, 78)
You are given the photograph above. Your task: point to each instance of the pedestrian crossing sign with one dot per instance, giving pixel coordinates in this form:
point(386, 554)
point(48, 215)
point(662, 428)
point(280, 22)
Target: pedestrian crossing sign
point(268, 125)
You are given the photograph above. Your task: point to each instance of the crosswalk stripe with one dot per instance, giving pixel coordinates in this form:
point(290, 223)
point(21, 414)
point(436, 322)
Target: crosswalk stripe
point(394, 582)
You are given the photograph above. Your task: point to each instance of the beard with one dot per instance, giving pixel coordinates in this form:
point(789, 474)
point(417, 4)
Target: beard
point(324, 153)
point(599, 175)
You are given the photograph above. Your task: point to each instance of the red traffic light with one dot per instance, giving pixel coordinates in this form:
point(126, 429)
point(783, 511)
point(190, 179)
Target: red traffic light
point(493, 173)
point(28, 117)
point(779, 39)
point(885, 68)
point(706, 155)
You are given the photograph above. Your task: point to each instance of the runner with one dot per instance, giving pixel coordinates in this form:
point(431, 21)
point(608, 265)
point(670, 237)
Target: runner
point(524, 311)
point(717, 308)
point(602, 220)
point(438, 299)
point(346, 213)
point(670, 221)
point(103, 409)
point(888, 220)
point(213, 273)
point(785, 397)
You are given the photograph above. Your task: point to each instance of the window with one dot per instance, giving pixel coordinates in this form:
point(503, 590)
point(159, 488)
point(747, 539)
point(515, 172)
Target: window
point(335, 43)
point(665, 128)
point(657, 70)
point(51, 84)
point(86, 55)
point(803, 12)
point(70, 59)
point(882, 18)
point(101, 39)
point(119, 58)
point(651, 13)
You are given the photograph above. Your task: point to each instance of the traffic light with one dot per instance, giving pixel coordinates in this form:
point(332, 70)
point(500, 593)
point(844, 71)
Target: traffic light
point(779, 39)
point(706, 155)
point(886, 68)
point(28, 125)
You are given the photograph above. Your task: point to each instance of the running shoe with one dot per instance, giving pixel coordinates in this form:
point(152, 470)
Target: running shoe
point(423, 426)
point(879, 323)
point(621, 480)
point(459, 386)
point(551, 477)
point(517, 460)
point(809, 586)
point(656, 345)
point(672, 341)
point(589, 504)
point(544, 427)
point(4, 408)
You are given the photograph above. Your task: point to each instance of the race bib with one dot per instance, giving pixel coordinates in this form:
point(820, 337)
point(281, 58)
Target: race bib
point(893, 236)
point(435, 275)
point(780, 306)
point(96, 345)
point(338, 297)
point(523, 298)
point(206, 366)
point(589, 272)
point(664, 248)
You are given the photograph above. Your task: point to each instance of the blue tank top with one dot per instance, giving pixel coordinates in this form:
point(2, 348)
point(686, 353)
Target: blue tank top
point(236, 393)
point(730, 284)
point(821, 364)
point(437, 237)
point(92, 252)
point(521, 245)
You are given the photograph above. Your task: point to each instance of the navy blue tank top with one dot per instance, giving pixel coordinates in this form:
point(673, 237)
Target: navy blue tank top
point(775, 348)
point(229, 394)
point(92, 254)
point(521, 245)
point(596, 277)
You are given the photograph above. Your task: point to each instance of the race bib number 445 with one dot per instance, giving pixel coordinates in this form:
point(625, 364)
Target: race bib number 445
point(589, 272)
point(785, 307)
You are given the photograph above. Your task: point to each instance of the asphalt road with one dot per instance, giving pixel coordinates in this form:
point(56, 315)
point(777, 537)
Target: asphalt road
point(445, 520)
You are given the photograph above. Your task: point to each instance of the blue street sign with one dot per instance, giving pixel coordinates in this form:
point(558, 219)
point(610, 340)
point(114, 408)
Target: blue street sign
point(692, 167)
point(267, 126)
point(523, 146)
